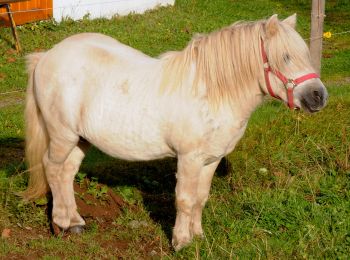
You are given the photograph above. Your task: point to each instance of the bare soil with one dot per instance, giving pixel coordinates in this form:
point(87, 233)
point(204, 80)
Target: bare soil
point(105, 209)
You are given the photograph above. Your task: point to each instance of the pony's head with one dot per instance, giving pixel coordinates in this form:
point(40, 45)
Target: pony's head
point(288, 71)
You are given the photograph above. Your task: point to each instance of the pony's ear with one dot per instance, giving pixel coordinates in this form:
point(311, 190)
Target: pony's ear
point(271, 26)
point(291, 20)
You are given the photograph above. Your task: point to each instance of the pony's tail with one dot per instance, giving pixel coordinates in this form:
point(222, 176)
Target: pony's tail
point(36, 137)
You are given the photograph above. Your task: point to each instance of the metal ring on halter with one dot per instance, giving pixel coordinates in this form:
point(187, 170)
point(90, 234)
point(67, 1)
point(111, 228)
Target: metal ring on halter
point(290, 81)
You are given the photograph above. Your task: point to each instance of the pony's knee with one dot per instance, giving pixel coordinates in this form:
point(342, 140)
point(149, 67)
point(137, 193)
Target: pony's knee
point(185, 204)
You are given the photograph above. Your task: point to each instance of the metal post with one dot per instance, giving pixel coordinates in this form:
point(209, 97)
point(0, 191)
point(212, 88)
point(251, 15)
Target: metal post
point(317, 17)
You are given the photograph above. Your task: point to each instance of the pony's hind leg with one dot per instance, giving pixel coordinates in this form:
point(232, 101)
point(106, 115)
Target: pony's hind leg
point(61, 163)
point(70, 169)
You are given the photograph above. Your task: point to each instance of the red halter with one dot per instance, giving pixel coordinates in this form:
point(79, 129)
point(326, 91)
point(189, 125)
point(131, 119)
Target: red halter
point(289, 84)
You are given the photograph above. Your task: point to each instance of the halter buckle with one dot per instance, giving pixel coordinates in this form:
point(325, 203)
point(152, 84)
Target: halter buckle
point(290, 82)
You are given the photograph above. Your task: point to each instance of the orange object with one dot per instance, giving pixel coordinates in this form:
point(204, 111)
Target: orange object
point(25, 11)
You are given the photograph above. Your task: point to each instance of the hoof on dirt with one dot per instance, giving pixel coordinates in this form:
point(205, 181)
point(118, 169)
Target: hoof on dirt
point(76, 230)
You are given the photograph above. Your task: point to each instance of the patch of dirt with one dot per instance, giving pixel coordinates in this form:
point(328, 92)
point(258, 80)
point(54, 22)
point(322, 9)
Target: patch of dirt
point(113, 245)
point(104, 209)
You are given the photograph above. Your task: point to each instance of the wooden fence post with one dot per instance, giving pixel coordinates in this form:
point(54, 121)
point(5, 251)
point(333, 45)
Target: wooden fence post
point(317, 17)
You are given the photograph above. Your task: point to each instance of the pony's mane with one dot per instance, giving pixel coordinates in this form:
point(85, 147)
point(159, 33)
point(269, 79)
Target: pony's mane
point(225, 61)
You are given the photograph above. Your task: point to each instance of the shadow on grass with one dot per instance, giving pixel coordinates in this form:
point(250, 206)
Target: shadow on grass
point(154, 179)
point(11, 155)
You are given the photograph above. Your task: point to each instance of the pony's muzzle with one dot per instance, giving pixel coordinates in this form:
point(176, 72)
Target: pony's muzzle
point(314, 98)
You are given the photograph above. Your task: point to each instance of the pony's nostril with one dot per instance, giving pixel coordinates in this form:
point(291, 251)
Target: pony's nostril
point(318, 95)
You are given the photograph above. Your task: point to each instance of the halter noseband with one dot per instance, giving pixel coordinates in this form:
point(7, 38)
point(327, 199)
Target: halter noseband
point(289, 84)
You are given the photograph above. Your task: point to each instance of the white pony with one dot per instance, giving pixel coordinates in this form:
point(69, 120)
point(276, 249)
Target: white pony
point(192, 104)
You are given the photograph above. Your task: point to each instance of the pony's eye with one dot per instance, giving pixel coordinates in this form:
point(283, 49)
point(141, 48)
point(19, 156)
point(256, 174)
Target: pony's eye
point(286, 58)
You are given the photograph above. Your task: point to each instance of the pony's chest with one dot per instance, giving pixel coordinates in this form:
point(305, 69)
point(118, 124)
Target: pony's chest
point(211, 136)
point(224, 134)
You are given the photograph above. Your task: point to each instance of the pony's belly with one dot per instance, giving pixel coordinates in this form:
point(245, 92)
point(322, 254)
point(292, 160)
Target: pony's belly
point(133, 150)
point(130, 138)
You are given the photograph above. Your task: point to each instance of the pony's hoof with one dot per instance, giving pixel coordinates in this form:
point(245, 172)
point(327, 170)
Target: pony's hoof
point(76, 230)
point(179, 244)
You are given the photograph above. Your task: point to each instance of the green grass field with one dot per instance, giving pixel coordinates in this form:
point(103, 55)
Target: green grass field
point(287, 194)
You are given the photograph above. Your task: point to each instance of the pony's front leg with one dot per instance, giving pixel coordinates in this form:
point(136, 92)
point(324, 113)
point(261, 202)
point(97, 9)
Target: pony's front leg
point(204, 183)
point(188, 170)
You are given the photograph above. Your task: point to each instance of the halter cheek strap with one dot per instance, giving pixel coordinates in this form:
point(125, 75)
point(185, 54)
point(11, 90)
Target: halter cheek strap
point(289, 84)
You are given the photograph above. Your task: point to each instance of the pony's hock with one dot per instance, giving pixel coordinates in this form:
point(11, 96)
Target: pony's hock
point(192, 104)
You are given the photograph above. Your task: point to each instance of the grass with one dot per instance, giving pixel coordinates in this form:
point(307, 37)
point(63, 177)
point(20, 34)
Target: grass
point(287, 195)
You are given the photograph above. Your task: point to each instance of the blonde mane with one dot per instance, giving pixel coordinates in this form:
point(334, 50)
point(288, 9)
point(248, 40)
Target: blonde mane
point(226, 61)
